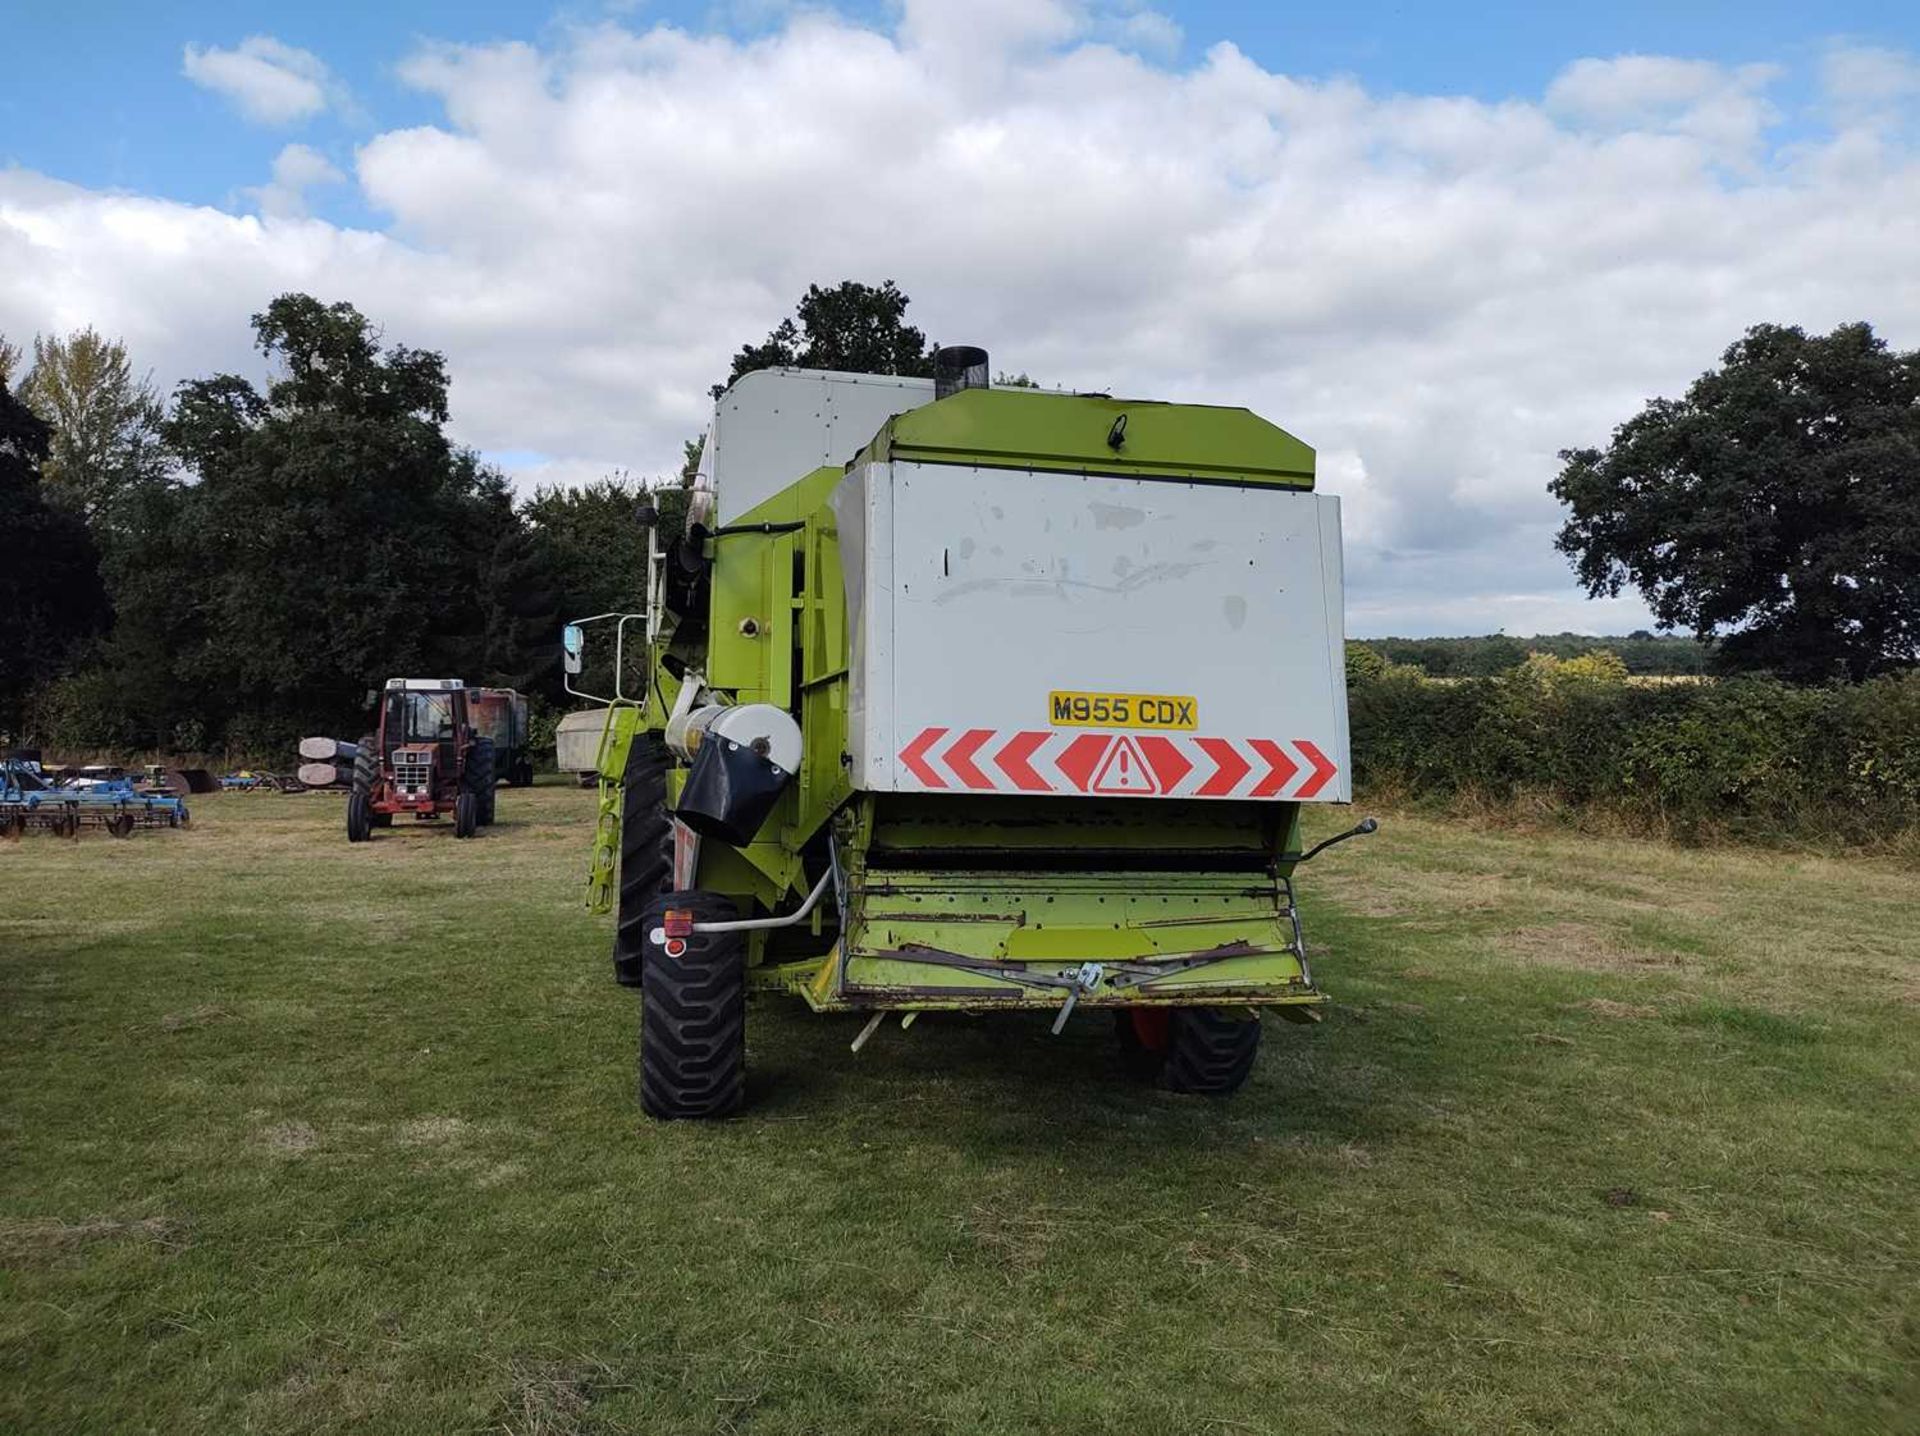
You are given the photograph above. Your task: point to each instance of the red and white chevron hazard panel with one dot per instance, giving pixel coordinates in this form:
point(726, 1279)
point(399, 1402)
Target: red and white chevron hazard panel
point(1119, 765)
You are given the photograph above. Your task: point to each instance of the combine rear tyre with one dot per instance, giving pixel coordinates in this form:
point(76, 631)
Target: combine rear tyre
point(1201, 1051)
point(693, 1014)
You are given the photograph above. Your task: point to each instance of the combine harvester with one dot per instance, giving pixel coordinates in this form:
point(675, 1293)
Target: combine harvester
point(959, 698)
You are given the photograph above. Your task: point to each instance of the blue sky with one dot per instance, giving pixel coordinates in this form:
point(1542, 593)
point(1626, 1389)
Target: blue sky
point(1440, 243)
point(109, 107)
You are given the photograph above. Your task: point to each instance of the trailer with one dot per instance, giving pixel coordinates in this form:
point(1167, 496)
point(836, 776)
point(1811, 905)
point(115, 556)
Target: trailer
point(960, 698)
point(576, 744)
point(500, 715)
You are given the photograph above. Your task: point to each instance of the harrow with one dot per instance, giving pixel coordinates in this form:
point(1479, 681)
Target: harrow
point(29, 799)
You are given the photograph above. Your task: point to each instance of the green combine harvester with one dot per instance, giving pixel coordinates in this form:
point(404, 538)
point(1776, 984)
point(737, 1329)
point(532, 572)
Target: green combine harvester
point(963, 698)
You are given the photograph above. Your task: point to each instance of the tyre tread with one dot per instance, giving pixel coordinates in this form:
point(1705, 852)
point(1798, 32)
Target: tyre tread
point(1210, 1053)
point(693, 1017)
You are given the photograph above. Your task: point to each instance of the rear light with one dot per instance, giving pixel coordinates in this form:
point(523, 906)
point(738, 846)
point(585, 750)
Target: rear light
point(677, 922)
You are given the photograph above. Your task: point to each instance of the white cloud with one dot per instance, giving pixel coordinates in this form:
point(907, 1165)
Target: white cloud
point(1437, 293)
point(271, 83)
point(1725, 107)
point(1869, 85)
point(1870, 73)
point(296, 169)
point(1150, 32)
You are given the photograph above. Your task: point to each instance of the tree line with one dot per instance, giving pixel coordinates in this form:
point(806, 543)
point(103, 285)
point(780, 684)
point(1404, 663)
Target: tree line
point(236, 564)
point(1644, 653)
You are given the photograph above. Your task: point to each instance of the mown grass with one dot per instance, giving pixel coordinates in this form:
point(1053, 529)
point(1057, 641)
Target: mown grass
point(1599, 1137)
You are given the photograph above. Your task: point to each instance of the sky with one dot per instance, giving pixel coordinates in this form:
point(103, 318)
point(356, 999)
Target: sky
point(1440, 243)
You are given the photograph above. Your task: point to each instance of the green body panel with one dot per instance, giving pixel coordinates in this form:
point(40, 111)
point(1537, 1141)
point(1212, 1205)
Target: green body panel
point(1015, 429)
point(963, 900)
point(957, 901)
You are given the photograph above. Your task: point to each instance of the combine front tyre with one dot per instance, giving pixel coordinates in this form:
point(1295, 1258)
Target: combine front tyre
point(693, 1012)
point(646, 852)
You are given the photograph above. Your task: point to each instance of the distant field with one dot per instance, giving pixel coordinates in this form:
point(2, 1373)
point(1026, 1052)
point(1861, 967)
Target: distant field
point(1598, 1137)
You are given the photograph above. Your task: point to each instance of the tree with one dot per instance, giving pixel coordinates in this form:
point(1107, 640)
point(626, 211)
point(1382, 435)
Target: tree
point(591, 544)
point(593, 549)
point(851, 326)
point(335, 537)
point(519, 617)
point(106, 426)
point(1777, 503)
point(9, 362)
point(51, 597)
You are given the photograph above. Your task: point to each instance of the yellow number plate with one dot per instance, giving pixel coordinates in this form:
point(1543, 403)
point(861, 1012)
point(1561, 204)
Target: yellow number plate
point(1122, 710)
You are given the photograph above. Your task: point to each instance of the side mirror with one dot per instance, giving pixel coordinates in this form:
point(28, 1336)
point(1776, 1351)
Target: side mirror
point(373, 696)
point(646, 515)
point(572, 643)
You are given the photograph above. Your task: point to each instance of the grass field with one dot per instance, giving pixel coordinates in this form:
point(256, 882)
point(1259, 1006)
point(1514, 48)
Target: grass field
point(1597, 1138)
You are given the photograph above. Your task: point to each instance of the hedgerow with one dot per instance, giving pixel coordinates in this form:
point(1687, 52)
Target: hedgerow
point(1749, 757)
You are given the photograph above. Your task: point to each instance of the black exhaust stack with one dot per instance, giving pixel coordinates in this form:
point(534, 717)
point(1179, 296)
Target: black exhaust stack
point(957, 367)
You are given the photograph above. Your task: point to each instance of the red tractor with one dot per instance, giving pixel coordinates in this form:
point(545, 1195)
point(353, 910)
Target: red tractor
point(425, 758)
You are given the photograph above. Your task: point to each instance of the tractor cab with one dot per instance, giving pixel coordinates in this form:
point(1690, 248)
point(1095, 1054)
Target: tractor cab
point(425, 719)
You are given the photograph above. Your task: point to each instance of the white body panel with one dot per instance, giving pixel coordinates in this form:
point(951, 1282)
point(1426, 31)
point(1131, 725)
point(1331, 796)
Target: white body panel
point(776, 425)
point(973, 594)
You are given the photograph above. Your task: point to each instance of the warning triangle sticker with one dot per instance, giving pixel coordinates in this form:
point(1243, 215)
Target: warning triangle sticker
point(1124, 771)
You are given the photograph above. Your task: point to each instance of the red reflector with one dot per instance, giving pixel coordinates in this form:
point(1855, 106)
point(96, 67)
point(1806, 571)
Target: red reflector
point(676, 947)
point(677, 922)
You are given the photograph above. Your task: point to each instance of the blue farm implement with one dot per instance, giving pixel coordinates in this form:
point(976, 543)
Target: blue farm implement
point(30, 799)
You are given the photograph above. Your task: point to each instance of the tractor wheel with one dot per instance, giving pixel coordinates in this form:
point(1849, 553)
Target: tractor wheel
point(1210, 1051)
point(361, 819)
point(366, 767)
point(646, 852)
point(466, 814)
point(481, 780)
point(522, 774)
point(693, 1015)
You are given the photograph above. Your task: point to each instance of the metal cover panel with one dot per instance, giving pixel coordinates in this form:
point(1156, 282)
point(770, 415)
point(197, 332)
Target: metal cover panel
point(775, 425)
point(978, 593)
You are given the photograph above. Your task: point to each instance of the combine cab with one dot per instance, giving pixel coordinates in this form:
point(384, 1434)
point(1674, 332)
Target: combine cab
point(970, 699)
point(425, 758)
